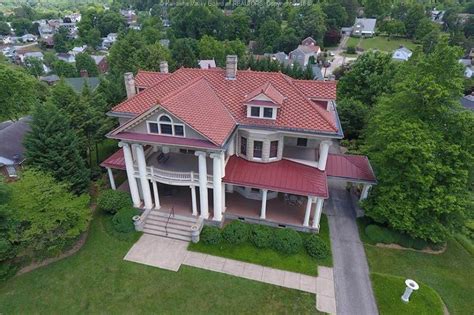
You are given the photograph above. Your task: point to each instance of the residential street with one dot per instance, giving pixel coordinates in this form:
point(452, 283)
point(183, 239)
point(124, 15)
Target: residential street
point(354, 293)
point(339, 58)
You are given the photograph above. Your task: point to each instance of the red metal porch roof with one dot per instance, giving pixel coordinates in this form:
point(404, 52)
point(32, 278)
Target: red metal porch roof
point(282, 176)
point(116, 161)
point(351, 167)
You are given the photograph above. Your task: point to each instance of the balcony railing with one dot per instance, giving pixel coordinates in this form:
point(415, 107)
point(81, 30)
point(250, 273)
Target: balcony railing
point(172, 177)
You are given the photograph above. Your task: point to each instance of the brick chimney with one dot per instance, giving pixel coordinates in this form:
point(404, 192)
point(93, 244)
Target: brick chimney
point(129, 84)
point(231, 67)
point(164, 66)
point(83, 73)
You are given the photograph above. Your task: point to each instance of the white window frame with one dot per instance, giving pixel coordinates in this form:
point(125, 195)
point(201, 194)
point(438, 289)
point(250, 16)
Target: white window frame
point(171, 122)
point(253, 149)
point(260, 112)
point(270, 150)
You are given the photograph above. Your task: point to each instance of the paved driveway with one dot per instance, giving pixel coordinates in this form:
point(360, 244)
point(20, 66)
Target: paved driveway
point(354, 293)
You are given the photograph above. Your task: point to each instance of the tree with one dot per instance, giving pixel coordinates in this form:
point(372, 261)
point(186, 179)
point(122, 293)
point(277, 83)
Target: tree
point(288, 40)
point(124, 54)
point(4, 28)
point(52, 146)
point(376, 8)
point(184, 52)
point(308, 21)
point(430, 40)
point(332, 37)
point(424, 28)
point(21, 26)
point(352, 7)
point(268, 36)
point(48, 217)
point(18, 93)
point(197, 21)
point(110, 22)
point(211, 48)
point(353, 115)
point(419, 143)
point(64, 69)
point(151, 56)
point(34, 66)
point(93, 37)
point(394, 28)
point(237, 26)
point(336, 15)
point(85, 62)
point(60, 40)
point(414, 15)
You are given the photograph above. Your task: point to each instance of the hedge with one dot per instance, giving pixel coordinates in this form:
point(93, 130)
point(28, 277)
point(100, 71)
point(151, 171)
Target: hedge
point(236, 232)
point(316, 247)
point(112, 200)
point(211, 235)
point(379, 234)
point(261, 236)
point(122, 220)
point(287, 241)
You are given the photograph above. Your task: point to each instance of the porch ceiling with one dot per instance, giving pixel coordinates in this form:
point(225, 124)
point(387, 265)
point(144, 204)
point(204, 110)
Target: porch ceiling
point(282, 176)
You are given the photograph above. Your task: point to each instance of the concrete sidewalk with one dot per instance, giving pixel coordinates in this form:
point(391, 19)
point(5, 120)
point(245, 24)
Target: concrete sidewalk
point(170, 254)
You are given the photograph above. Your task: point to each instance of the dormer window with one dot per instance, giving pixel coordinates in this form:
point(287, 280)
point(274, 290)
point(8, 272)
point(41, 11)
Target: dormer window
point(166, 126)
point(262, 112)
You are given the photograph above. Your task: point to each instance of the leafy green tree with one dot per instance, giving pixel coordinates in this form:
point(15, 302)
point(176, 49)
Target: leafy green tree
point(288, 40)
point(50, 218)
point(34, 66)
point(4, 28)
point(151, 56)
point(353, 115)
point(336, 15)
point(351, 7)
point(211, 48)
point(64, 69)
point(52, 146)
point(376, 8)
point(124, 54)
point(21, 26)
point(394, 28)
point(420, 144)
point(110, 22)
point(93, 38)
point(268, 36)
point(184, 52)
point(197, 21)
point(415, 14)
point(430, 40)
point(85, 62)
point(424, 28)
point(237, 26)
point(60, 40)
point(309, 21)
point(18, 93)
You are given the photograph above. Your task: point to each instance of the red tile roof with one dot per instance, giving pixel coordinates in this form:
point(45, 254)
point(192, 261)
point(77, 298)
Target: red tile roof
point(351, 167)
point(268, 90)
point(317, 89)
point(146, 79)
point(151, 138)
point(297, 111)
point(282, 176)
point(116, 161)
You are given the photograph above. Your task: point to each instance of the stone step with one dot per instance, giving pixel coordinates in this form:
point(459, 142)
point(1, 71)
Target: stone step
point(176, 216)
point(169, 235)
point(169, 228)
point(178, 224)
point(171, 220)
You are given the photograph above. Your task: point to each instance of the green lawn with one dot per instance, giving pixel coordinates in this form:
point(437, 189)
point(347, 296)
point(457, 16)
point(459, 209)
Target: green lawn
point(389, 289)
point(98, 280)
point(380, 43)
point(450, 273)
point(300, 262)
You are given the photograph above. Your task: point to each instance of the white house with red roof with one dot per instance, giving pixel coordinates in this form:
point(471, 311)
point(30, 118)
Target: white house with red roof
point(201, 146)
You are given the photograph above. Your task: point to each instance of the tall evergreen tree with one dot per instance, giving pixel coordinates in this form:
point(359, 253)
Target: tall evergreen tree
point(52, 146)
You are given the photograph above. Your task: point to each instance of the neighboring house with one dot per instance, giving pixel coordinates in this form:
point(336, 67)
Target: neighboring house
point(49, 79)
point(78, 50)
point(101, 63)
point(468, 69)
point(468, 101)
point(281, 57)
point(48, 42)
point(78, 84)
point(364, 27)
point(346, 31)
point(437, 16)
point(402, 54)
point(207, 64)
point(29, 38)
point(66, 57)
point(108, 41)
point(209, 145)
point(46, 31)
point(31, 54)
point(302, 54)
point(11, 145)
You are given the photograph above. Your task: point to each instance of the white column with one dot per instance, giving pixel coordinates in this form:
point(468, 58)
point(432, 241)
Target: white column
point(317, 212)
point(145, 185)
point(193, 200)
point(223, 163)
point(308, 211)
point(263, 210)
point(155, 195)
point(223, 197)
point(323, 154)
point(203, 184)
point(111, 178)
point(132, 182)
point(217, 185)
point(365, 191)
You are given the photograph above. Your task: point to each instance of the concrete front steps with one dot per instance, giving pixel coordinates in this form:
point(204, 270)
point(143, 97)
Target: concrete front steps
point(175, 226)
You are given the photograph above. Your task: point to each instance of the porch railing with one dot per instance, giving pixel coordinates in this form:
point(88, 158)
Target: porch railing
point(173, 176)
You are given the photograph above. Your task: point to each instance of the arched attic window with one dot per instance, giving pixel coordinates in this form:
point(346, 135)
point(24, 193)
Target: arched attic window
point(166, 126)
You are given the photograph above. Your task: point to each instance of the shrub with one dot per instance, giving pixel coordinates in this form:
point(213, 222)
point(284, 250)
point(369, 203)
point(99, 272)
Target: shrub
point(287, 241)
point(211, 235)
point(122, 220)
point(419, 244)
point(236, 232)
point(351, 50)
point(378, 234)
point(316, 247)
point(112, 200)
point(261, 236)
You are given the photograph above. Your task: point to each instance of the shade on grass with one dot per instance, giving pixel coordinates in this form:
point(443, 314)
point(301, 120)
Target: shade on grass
point(450, 273)
point(389, 289)
point(300, 262)
point(98, 280)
